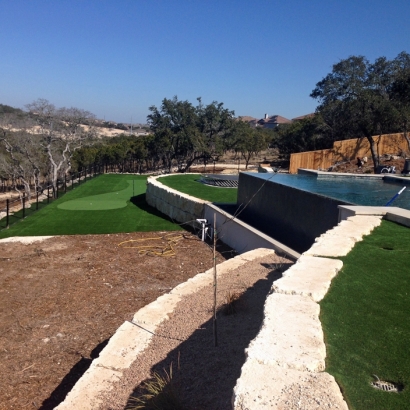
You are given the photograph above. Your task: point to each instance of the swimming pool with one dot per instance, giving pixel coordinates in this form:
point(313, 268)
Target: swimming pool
point(369, 191)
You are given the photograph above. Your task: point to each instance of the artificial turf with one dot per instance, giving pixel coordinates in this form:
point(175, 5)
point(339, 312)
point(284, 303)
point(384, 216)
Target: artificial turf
point(84, 210)
point(365, 317)
point(189, 184)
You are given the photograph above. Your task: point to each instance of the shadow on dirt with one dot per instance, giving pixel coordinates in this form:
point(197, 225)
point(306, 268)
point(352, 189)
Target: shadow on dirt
point(76, 372)
point(205, 375)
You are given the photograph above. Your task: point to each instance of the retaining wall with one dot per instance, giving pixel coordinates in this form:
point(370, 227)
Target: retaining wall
point(179, 207)
point(186, 209)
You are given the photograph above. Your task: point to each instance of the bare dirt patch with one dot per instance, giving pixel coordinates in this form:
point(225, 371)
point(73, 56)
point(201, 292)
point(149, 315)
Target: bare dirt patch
point(61, 300)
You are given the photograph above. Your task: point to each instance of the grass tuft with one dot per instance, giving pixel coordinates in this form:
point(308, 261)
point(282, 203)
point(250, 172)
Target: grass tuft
point(158, 393)
point(233, 303)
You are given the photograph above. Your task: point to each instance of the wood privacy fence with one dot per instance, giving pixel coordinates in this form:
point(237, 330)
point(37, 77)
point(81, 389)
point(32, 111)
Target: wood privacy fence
point(347, 150)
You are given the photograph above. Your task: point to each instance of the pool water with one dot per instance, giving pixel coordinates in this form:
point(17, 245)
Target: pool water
point(358, 191)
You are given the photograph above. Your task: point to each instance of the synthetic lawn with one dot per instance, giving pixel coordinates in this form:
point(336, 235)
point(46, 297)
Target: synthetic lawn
point(84, 210)
point(188, 184)
point(365, 317)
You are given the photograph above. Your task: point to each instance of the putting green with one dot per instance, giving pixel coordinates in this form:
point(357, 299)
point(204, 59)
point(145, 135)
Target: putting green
point(101, 202)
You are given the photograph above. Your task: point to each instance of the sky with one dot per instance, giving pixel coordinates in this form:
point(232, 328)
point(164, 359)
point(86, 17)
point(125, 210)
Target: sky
point(118, 58)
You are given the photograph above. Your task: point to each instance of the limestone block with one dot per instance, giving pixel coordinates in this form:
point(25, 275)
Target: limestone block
point(291, 335)
point(263, 386)
point(331, 245)
point(349, 229)
point(121, 351)
point(150, 316)
point(372, 220)
point(311, 276)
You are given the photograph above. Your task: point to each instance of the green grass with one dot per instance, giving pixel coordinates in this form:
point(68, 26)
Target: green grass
point(69, 215)
point(189, 184)
point(366, 322)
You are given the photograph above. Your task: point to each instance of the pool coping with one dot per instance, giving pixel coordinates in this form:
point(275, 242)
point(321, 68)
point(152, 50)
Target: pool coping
point(385, 177)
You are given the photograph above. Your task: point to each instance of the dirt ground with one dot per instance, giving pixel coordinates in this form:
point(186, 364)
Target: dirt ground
point(367, 167)
point(61, 300)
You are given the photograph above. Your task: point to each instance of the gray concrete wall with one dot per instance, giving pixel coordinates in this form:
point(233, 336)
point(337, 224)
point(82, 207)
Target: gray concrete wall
point(241, 236)
point(291, 216)
point(180, 207)
point(186, 209)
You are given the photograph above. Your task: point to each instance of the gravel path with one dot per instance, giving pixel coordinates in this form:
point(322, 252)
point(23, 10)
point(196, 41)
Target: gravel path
point(204, 374)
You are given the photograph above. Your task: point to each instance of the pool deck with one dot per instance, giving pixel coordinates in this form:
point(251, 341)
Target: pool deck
point(391, 213)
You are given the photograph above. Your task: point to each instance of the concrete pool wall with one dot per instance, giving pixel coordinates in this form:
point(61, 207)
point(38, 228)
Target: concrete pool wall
point(289, 215)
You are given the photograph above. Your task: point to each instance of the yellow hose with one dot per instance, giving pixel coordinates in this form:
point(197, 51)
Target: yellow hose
point(155, 250)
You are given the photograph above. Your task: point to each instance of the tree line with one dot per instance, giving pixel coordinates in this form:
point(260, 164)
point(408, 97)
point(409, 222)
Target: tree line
point(181, 134)
point(357, 99)
point(46, 142)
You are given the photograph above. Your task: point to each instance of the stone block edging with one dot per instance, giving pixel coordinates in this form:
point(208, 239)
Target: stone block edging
point(285, 363)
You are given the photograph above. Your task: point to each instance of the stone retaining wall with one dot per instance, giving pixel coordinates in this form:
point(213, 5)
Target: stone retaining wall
point(285, 363)
point(180, 207)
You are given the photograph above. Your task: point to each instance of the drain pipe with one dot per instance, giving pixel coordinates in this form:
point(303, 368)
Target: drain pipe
point(204, 227)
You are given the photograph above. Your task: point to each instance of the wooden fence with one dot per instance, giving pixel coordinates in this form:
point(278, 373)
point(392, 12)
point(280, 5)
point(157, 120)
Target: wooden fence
point(347, 150)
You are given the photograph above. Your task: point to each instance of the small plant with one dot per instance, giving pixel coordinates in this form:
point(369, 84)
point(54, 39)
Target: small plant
point(232, 302)
point(158, 393)
point(280, 265)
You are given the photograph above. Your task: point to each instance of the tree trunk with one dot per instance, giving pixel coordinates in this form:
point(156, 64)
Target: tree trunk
point(373, 150)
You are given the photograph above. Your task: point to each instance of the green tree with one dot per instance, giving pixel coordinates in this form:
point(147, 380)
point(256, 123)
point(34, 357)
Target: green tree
point(184, 133)
point(249, 141)
point(400, 94)
point(355, 99)
point(307, 134)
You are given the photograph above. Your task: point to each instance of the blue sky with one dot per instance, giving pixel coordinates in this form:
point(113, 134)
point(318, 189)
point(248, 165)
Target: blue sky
point(117, 58)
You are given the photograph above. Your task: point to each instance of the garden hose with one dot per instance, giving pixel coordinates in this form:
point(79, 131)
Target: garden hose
point(154, 250)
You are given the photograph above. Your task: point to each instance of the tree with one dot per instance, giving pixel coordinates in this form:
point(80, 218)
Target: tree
point(22, 160)
point(307, 134)
point(216, 125)
point(354, 99)
point(249, 141)
point(62, 134)
point(184, 133)
point(175, 132)
point(400, 94)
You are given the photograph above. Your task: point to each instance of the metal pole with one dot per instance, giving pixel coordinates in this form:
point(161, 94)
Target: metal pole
point(215, 287)
point(7, 213)
point(48, 193)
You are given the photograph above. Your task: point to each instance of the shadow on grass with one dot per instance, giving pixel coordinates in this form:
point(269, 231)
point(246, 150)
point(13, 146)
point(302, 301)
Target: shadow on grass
point(68, 382)
point(140, 202)
point(207, 374)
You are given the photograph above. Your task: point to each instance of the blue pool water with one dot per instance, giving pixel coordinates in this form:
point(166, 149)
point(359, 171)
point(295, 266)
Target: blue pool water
point(359, 191)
